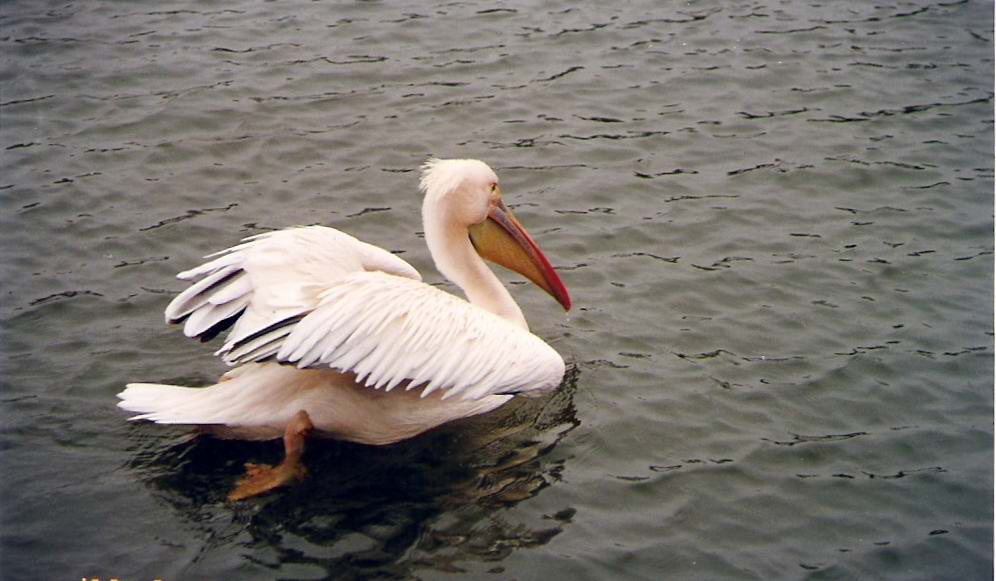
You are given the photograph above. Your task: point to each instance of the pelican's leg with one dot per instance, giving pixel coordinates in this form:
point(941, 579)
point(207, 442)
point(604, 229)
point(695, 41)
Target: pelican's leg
point(260, 479)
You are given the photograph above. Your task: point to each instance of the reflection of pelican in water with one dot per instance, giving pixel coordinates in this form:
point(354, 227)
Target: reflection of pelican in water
point(326, 326)
point(436, 502)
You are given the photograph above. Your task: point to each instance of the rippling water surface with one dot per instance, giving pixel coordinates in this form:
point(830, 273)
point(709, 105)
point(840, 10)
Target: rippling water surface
point(775, 219)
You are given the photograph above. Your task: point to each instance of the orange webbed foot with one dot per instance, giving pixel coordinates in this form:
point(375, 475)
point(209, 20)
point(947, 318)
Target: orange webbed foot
point(260, 478)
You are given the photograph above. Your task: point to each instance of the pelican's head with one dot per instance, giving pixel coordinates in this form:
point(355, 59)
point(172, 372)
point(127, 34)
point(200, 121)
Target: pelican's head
point(465, 193)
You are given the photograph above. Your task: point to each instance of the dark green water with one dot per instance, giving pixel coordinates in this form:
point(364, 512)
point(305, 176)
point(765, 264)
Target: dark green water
point(775, 219)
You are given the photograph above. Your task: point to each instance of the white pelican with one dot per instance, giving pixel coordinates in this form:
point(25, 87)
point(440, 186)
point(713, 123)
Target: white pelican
point(336, 336)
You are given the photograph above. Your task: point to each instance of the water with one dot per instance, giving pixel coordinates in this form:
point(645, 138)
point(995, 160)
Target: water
point(775, 220)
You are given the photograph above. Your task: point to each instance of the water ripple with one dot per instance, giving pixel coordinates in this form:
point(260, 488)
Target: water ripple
point(775, 220)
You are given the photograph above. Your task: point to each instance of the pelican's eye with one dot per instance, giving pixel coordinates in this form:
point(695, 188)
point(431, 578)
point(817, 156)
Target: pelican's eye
point(495, 194)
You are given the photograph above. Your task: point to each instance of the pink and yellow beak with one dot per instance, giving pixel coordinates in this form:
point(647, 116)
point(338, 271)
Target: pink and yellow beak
point(502, 239)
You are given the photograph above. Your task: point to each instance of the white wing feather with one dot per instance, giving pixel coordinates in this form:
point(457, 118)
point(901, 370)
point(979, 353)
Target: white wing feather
point(317, 297)
point(388, 330)
point(270, 276)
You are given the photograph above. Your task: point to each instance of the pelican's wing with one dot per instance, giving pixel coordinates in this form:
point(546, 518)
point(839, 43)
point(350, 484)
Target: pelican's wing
point(388, 330)
point(271, 276)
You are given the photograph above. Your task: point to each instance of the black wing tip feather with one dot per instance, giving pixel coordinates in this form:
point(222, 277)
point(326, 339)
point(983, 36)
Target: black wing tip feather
point(292, 320)
point(192, 302)
point(219, 327)
point(261, 345)
point(213, 331)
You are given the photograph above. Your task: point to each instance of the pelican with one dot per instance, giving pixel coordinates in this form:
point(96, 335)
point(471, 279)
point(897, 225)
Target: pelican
point(337, 338)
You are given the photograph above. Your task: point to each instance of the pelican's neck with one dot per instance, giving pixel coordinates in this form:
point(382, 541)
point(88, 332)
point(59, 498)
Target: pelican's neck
point(457, 260)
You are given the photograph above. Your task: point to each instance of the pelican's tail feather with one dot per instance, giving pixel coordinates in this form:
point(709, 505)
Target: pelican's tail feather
point(253, 397)
point(173, 404)
point(249, 402)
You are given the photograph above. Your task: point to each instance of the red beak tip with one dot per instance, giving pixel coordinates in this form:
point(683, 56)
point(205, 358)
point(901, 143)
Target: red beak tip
point(562, 296)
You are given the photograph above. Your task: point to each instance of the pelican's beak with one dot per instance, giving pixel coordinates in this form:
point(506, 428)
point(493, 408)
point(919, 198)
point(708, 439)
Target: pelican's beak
point(501, 239)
